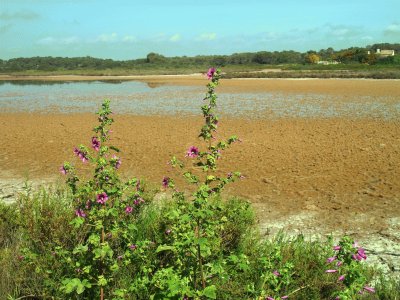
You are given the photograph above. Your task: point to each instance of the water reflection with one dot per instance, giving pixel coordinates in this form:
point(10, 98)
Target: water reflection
point(143, 98)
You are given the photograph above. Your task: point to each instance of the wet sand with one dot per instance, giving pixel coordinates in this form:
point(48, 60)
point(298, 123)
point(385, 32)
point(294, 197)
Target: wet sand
point(314, 175)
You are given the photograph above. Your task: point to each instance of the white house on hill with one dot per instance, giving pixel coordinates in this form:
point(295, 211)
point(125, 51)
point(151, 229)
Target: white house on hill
point(383, 53)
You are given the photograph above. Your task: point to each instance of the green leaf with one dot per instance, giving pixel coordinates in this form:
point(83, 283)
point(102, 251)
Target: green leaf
point(210, 292)
point(80, 289)
point(101, 281)
point(164, 248)
point(114, 148)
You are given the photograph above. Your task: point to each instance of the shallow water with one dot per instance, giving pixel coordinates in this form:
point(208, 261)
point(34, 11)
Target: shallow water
point(140, 98)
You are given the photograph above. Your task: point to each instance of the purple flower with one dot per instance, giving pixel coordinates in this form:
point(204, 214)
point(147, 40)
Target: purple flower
point(192, 152)
point(330, 271)
point(269, 298)
point(361, 253)
point(337, 248)
point(133, 247)
point(341, 278)
point(165, 182)
point(95, 143)
point(138, 185)
point(76, 151)
point(337, 298)
point(284, 297)
point(81, 155)
point(63, 170)
point(339, 263)
point(210, 73)
point(87, 204)
point(129, 209)
point(102, 198)
point(276, 273)
point(331, 259)
point(117, 161)
point(369, 289)
point(356, 257)
point(138, 201)
point(80, 213)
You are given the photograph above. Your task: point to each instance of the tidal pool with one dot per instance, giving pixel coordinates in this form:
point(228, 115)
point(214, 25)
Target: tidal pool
point(133, 97)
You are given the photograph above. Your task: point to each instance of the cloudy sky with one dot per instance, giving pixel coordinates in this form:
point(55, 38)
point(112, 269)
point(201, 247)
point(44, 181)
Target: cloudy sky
point(128, 29)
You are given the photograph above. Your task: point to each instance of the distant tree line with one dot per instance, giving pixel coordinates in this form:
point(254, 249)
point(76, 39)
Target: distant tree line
point(353, 55)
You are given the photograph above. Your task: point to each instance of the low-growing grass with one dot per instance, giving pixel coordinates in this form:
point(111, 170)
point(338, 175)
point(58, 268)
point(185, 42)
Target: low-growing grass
point(40, 220)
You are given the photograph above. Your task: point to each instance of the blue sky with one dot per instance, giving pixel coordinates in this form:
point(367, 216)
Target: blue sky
point(123, 29)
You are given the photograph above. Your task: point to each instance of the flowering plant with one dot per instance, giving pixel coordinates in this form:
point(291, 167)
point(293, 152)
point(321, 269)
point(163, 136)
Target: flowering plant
point(105, 211)
point(194, 222)
point(346, 264)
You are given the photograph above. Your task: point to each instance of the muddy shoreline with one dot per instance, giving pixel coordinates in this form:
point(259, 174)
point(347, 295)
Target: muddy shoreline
point(303, 175)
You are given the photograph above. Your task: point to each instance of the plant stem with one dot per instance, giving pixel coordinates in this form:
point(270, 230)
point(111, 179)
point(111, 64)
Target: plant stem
point(200, 259)
point(102, 269)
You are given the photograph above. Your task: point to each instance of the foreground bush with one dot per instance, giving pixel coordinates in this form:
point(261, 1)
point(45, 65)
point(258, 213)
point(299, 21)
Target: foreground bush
point(108, 238)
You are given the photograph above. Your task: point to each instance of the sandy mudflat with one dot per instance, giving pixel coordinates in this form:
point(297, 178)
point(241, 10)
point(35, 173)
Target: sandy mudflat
point(309, 174)
point(366, 87)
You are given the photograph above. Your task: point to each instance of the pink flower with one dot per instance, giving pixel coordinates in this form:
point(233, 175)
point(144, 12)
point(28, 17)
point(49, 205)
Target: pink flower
point(76, 151)
point(339, 263)
point(117, 161)
point(337, 248)
point(129, 209)
point(102, 198)
point(192, 152)
point(284, 297)
point(276, 273)
point(341, 278)
point(95, 143)
point(361, 253)
point(168, 231)
point(369, 289)
point(210, 73)
point(269, 298)
point(133, 247)
point(165, 182)
point(330, 271)
point(80, 213)
point(81, 155)
point(331, 259)
point(63, 170)
point(138, 201)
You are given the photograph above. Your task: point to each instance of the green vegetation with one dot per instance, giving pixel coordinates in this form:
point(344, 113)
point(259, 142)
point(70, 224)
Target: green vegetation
point(40, 221)
point(108, 238)
point(356, 60)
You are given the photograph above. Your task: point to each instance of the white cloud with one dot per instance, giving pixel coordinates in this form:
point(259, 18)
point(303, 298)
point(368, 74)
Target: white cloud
point(175, 38)
point(107, 38)
point(129, 39)
point(207, 37)
point(393, 29)
point(58, 41)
